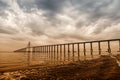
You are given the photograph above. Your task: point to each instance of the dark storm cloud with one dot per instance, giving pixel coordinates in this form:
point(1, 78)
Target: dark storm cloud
point(64, 19)
point(50, 6)
point(96, 11)
point(97, 8)
point(3, 5)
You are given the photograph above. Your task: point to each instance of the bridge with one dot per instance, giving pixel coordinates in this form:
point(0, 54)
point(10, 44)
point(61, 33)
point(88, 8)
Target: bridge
point(74, 51)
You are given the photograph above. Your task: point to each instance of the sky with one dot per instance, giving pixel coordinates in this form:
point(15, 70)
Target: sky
point(57, 21)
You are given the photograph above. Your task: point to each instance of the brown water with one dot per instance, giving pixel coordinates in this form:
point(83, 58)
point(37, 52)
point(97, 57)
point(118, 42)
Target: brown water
point(10, 59)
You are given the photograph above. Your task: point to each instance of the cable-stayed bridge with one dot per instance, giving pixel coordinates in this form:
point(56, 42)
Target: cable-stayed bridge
point(75, 51)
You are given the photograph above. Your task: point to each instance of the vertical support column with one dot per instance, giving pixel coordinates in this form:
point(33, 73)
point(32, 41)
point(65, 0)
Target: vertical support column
point(43, 49)
point(99, 47)
point(36, 49)
point(119, 46)
point(60, 53)
point(109, 49)
point(54, 55)
point(57, 53)
point(78, 47)
point(33, 49)
point(64, 53)
point(45, 52)
point(46, 48)
point(68, 52)
point(91, 49)
point(49, 49)
point(49, 52)
point(73, 51)
point(39, 48)
point(84, 49)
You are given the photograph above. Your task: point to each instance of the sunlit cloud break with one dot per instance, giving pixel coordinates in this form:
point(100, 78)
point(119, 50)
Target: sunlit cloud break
point(57, 21)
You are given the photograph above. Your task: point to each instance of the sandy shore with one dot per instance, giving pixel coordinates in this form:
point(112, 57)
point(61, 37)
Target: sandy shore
point(103, 68)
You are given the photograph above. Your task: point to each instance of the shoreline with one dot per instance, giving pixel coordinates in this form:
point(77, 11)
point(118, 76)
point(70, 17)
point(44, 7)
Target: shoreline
point(102, 68)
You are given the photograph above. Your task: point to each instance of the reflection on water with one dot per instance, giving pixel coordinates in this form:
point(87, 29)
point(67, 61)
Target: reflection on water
point(20, 59)
point(12, 59)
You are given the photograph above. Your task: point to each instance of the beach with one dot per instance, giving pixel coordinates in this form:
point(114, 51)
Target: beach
point(103, 68)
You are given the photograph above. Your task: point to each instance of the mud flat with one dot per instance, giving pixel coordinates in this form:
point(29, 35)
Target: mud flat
point(103, 68)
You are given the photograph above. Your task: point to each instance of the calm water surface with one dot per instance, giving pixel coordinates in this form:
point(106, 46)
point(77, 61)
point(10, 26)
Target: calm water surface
point(10, 59)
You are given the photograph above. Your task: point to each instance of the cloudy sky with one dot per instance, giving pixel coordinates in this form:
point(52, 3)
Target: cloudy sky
point(57, 21)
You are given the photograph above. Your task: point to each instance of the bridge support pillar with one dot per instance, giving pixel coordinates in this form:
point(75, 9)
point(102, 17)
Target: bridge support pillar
point(84, 46)
point(57, 52)
point(109, 49)
point(64, 53)
point(119, 46)
point(60, 53)
point(78, 47)
point(73, 52)
point(68, 52)
point(99, 47)
point(91, 49)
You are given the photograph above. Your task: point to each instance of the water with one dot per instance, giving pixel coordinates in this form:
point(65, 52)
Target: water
point(10, 59)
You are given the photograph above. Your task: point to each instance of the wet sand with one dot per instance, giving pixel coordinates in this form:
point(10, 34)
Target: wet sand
point(103, 68)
